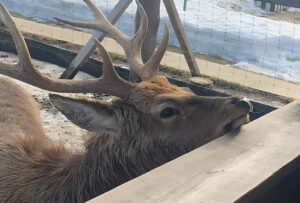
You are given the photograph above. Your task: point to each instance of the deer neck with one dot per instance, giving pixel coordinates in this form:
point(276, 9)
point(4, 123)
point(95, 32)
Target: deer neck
point(107, 167)
point(108, 161)
point(55, 175)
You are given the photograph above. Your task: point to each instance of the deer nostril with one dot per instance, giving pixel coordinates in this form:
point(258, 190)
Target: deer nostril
point(243, 103)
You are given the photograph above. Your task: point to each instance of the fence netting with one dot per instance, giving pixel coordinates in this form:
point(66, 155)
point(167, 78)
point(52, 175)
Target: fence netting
point(233, 40)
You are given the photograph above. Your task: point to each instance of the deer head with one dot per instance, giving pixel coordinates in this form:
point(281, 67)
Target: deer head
point(159, 109)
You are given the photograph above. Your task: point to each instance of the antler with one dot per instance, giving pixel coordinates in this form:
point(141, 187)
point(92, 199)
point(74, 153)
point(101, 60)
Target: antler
point(24, 70)
point(131, 45)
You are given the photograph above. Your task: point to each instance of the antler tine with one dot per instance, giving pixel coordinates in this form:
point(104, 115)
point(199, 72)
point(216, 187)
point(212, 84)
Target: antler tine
point(132, 46)
point(110, 79)
point(109, 82)
point(152, 64)
point(20, 44)
point(100, 23)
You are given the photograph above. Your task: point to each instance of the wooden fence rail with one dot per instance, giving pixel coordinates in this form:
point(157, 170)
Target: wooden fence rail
point(261, 163)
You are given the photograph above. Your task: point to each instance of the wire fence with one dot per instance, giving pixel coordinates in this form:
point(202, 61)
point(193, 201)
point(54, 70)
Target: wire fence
point(233, 40)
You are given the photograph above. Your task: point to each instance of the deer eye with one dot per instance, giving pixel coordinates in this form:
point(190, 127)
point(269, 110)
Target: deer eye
point(168, 112)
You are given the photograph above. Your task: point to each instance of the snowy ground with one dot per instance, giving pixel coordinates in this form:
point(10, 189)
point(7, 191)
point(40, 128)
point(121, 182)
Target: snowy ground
point(235, 30)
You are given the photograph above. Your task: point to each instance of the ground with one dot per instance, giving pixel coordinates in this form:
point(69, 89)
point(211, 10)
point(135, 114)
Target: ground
point(289, 16)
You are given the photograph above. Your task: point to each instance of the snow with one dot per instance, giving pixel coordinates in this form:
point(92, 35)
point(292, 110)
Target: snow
point(235, 30)
point(293, 9)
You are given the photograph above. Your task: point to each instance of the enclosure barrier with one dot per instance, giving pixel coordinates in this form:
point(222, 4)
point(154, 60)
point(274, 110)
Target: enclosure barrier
point(261, 163)
point(253, 165)
point(272, 6)
point(171, 59)
point(277, 5)
point(249, 166)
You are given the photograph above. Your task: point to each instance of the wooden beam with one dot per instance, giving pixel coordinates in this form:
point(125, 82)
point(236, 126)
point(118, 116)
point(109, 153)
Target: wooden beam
point(179, 31)
point(87, 50)
point(247, 165)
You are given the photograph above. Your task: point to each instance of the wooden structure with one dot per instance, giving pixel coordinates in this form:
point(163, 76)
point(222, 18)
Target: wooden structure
point(261, 163)
point(90, 47)
point(179, 31)
point(289, 3)
point(277, 5)
point(118, 10)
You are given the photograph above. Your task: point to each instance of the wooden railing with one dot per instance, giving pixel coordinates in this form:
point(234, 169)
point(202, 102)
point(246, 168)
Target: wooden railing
point(261, 163)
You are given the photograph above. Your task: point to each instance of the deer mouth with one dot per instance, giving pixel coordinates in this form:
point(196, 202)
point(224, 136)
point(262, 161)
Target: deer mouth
point(243, 119)
point(237, 123)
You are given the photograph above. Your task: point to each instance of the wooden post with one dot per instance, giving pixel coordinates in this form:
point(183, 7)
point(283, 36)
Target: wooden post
point(268, 7)
point(184, 5)
point(258, 3)
point(152, 9)
point(179, 31)
point(118, 10)
point(85, 52)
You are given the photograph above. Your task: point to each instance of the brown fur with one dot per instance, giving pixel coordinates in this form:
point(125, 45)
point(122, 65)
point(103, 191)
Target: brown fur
point(155, 123)
point(131, 138)
point(16, 106)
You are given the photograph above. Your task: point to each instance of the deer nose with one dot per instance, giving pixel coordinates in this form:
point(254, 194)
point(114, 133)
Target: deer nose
point(243, 103)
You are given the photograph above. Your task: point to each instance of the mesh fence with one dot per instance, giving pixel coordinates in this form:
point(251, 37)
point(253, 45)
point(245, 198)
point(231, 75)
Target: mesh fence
point(233, 40)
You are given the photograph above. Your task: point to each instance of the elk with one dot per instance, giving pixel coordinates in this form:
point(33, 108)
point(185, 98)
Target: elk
point(148, 124)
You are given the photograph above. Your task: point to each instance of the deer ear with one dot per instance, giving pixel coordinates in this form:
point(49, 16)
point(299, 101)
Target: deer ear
point(89, 115)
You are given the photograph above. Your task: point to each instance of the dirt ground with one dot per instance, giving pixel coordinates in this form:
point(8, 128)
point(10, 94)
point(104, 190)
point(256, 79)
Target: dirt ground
point(289, 16)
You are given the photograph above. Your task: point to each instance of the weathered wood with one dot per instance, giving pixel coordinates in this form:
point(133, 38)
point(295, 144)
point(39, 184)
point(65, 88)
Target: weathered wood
point(179, 31)
point(225, 169)
point(86, 51)
point(152, 8)
point(202, 81)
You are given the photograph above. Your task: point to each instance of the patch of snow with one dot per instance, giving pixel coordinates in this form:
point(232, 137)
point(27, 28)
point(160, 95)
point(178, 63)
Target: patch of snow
point(235, 30)
point(291, 9)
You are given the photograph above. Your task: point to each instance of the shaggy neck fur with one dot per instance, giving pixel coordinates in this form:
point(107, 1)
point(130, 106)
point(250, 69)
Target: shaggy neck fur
point(60, 177)
point(42, 173)
point(123, 161)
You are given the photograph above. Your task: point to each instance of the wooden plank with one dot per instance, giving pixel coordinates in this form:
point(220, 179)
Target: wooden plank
point(86, 51)
point(179, 31)
point(225, 169)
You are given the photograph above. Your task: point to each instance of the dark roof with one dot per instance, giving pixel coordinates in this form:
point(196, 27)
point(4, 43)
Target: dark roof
point(290, 3)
